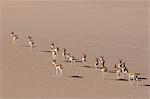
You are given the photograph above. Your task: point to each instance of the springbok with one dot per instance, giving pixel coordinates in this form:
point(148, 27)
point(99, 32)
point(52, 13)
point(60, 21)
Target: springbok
point(68, 56)
point(64, 53)
point(14, 37)
point(52, 46)
point(58, 68)
point(133, 77)
point(102, 61)
point(72, 60)
point(96, 63)
point(84, 59)
point(54, 55)
point(121, 71)
point(30, 41)
point(56, 50)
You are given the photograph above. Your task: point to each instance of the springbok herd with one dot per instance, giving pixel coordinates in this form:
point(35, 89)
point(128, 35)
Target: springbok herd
point(120, 69)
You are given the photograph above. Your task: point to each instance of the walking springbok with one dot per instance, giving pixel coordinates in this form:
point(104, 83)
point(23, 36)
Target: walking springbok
point(103, 70)
point(30, 41)
point(133, 77)
point(84, 60)
point(14, 37)
point(64, 53)
point(102, 61)
point(58, 68)
point(96, 63)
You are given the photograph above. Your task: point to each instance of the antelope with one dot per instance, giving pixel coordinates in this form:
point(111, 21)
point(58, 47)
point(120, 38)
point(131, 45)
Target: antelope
point(64, 53)
point(52, 47)
point(54, 55)
point(14, 37)
point(58, 68)
point(72, 60)
point(84, 59)
point(97, 63)
point(102, 61)
point(56, 50)
point(121, 71)
point(30, 41)
point(68, 56)
point(132, 76)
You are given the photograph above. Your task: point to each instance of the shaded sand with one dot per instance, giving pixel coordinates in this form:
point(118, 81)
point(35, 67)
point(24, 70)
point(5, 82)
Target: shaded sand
point(111, 29)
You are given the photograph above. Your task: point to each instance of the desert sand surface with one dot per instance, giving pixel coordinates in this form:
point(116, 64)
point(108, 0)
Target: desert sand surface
point(98, 28)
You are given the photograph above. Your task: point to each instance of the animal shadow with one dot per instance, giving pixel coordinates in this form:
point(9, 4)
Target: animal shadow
point(46, 51)
point(122, 79)
point(78, 61)
point(25, 46)
point(145, 85)
point(87, 66)
point(143, 78)
point(75, 76)
point(119, 79)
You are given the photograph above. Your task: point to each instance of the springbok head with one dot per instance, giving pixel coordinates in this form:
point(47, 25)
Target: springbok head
point(64, 49)
point(120, 60)
point(102, 57)
point(29, 37)
point(84, 55)
point(52, 44)
point(12, 33)
point(96, 59)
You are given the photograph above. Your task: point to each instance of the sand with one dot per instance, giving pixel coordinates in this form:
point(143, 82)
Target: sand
point(110, 29)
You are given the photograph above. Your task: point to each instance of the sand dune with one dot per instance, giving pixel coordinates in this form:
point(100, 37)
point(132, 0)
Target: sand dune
point(110, 29)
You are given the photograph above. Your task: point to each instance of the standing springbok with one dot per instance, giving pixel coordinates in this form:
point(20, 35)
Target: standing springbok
point(72, 60)
point(64, 53)
point(56, 50)
point(58, 68)
point(52, 46)
point(102, 61)
point(68, 57)
point(96, 63)
point(30, 41)
point(121, 71)
point(84, 60)
point(54, 55)
point(14, 37)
